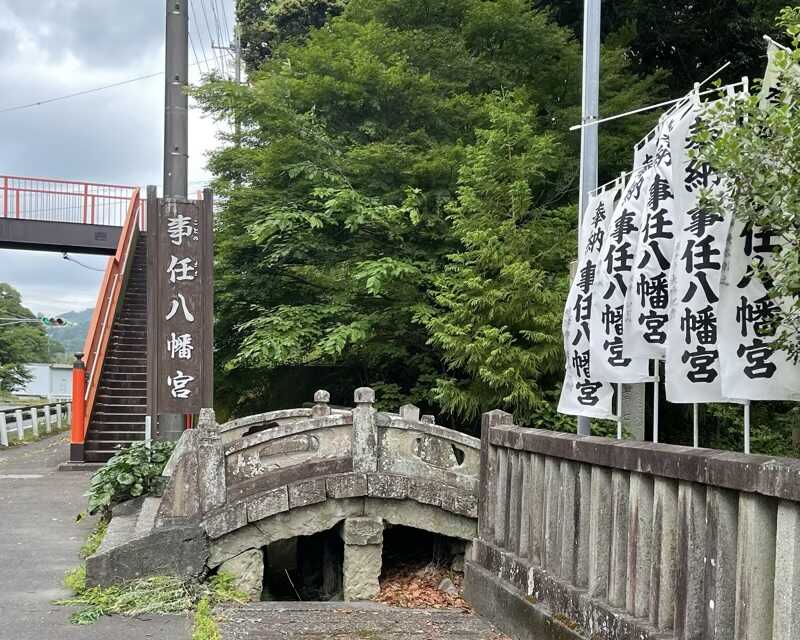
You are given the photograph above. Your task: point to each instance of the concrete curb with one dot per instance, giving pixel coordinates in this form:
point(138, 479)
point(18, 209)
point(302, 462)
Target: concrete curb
point(510, 610)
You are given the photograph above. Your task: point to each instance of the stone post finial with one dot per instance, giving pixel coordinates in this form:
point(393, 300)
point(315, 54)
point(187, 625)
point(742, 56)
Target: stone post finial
point(428, 419)
point(496, 418)
point(409, 413)
point(207, 420)
point(365, 431)
point(321, 408)
point(364, 395)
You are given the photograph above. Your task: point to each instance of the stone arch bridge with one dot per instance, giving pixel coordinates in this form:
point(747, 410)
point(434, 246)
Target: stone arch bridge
point(232, 489)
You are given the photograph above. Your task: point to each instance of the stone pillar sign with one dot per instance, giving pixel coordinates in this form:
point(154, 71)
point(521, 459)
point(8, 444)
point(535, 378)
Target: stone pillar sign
point(180, 304)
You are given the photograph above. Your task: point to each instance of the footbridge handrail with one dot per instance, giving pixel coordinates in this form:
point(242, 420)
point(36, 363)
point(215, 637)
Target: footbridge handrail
point(105, 311)
point(55, 200)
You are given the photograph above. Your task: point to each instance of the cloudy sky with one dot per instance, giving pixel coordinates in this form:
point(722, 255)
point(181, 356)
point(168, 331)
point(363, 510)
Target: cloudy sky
point(50, 48)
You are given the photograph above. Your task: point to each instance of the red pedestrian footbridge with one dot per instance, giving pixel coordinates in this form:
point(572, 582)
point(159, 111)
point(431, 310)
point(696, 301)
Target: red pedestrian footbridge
point(110, 380)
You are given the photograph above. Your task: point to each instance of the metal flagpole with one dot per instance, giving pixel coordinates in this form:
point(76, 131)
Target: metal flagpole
point(656, 393)
point(589, 135)
point(695, 425)
point(747, 427)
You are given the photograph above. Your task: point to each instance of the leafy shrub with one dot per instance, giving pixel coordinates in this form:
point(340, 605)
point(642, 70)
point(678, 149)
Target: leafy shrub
point(129, 474)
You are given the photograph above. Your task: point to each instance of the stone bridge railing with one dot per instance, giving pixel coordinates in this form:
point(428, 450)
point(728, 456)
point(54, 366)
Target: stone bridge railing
point(588, 537)
point(253, 481)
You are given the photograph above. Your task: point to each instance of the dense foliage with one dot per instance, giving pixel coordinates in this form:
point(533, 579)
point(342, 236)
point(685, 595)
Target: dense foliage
point(19, 343)
point(400, 212)
point(690, 40)
point(757, 149)
point(400, 209)
point(129, 474)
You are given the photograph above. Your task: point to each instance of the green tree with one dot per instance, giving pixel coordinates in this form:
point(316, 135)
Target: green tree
point(356, 195)
point(265, 24)
point(497, 317)
point(19, 343)
point(757, 151)
point(690, 40)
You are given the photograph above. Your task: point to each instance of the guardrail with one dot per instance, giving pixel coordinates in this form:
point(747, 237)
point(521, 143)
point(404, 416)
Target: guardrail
point(51, 200)
point(623, 539)
point(86, 374)
point(57, 414)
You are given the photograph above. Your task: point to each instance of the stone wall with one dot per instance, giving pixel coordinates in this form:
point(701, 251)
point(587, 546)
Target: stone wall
point(590, 537)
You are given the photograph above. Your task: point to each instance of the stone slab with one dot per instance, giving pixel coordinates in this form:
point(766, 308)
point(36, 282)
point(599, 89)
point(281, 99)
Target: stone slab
point(363, 530)
point(247, 571)
point(358, 620)
point(348, 485)
point(511, 610)
point(302, 494)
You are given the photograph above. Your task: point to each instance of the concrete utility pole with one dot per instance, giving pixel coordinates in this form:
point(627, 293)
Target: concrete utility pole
point(589, 135)
point(176, 144)
point(176, 114)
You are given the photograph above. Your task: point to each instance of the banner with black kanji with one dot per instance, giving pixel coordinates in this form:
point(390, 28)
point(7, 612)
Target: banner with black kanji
point(617, 253)
point(583, 394)
point(647, 301)
point(751, 368)
point(692, 353)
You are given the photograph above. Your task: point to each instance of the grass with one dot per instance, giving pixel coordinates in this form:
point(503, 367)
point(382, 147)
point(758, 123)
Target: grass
point(95, 539)
point(14, 440)
point(205, 627)
point(157, 594)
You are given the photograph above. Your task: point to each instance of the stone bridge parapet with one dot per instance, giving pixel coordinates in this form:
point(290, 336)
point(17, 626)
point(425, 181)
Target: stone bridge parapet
point(273, 476)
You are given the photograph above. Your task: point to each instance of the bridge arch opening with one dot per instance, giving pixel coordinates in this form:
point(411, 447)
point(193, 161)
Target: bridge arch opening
point(307, 568)
point(407, 550)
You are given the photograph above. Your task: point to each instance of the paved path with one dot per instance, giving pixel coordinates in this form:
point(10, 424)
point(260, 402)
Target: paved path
point(39, 542)
point(337, 621)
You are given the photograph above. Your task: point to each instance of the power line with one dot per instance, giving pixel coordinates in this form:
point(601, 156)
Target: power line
point(199, 34)
point(67, 257)
point(194, 52)
point(217, 22)
point(224, 17)
point(211, 35)
point(86, 91)
point(81, 93)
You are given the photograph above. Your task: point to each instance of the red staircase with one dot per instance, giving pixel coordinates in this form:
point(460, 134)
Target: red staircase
point(118, 416)
point(109, 390)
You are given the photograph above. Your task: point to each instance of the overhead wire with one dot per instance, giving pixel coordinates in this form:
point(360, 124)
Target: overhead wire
point(198, 33)
point(226, 26)
point(218, 27)
point(211, 36)
point(68, 258)
point(76, 94)
point(194, 52)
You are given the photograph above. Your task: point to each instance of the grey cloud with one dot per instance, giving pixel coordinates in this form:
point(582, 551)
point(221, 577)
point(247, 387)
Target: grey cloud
point(112, 136)
point(50, 284)
point(101, 34)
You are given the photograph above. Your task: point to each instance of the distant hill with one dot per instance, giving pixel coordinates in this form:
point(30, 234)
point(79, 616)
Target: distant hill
point(72, 337)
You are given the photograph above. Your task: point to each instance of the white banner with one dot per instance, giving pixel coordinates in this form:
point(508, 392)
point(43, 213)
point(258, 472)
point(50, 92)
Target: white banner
point(751, 369)
point(644, 151)
point(692, 354)
point(771, 86)
point(647, 301)
point(611, 286)
point(582, 393)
